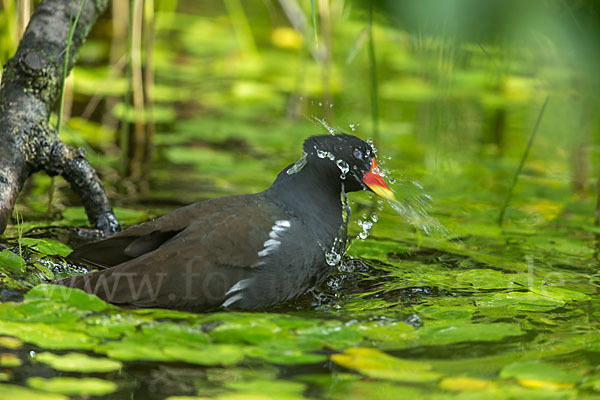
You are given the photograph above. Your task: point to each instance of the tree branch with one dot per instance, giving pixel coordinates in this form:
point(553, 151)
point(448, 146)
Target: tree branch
point(30, 86)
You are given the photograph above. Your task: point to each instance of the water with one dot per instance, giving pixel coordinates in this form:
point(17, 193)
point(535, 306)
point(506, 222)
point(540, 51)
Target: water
point(323, 122)
point(344, 168)
point(298, 165)
point(501, 313)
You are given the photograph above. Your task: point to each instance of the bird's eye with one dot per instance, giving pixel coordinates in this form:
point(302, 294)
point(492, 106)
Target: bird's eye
point(357, 154)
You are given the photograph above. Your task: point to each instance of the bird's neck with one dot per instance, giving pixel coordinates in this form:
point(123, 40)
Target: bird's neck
point(314, 194)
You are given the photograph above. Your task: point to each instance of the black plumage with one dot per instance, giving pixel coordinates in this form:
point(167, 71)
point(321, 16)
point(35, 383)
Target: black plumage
point(245, 251)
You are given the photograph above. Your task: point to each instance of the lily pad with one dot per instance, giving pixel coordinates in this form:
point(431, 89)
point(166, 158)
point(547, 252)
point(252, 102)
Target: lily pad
point(396, 332)
point(246, 331)
point(47, 246)
point(285, 356)
point(376, 364)
point(11, 343)
point(560, 293)
point(218, 354)
point(283, 389)
point(333, 335)
point(446, 332)
point(540, 374)
point(525, 301)
point(73, 386)
point(9, 360)
point(75, 297)
point(442, 312)
point(11, 262)
point(78, 362)
point(47, 336)
point(14, 392)
point(463, 383)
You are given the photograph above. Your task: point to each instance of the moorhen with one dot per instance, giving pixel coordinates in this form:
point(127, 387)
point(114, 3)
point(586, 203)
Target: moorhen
point(247, 251)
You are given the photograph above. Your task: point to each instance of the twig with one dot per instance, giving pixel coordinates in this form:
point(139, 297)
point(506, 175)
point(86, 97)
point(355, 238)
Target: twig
point(373, 80)
point(314, 20)
point(523, 159)
point(66, 66)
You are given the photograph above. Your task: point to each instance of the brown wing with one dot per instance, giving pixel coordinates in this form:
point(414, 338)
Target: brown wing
point(145, 237)
point(193, 269)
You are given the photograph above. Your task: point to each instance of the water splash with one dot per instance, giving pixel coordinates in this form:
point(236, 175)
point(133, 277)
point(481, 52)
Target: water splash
point(412, 204)
point(344, 167)
point(297, 167)
point(365, 224)
point(325, 125)
point(324, 154)
point(333, 257)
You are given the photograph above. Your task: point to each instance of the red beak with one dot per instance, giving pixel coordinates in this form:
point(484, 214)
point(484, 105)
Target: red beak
point(375, 182)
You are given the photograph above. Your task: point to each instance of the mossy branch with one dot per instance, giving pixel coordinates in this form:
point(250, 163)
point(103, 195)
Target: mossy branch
point(30, 87)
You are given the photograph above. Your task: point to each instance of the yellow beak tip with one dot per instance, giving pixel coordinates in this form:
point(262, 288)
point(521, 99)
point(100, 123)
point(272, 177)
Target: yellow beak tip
point(383, 192)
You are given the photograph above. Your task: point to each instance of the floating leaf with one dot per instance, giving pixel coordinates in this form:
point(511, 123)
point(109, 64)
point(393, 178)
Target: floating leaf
point(446, 311)
point(11, 262)
point(9, 360)
point(73, 386)
point(14, 392)
point(540, 374)
point(560, 293)
point(462, 331)
point(218, 354)
point(11, 343)
point(47, 246)
point(333, 335)
point(463, 383)
point(111, 325)
point(78, 362)
point(393, 332)
point(526, 301)
point(164, 344)
point(47, 336)
point(285, 356)
point(376, 364)
point(66, 295)
point(246, 331)
point(283, 389)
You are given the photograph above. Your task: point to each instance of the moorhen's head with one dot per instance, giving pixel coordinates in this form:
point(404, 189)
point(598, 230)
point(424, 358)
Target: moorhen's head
point(350, 159)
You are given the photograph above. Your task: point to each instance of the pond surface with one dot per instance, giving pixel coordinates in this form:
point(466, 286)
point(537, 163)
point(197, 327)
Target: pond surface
point(477, 311)
point(441, 304)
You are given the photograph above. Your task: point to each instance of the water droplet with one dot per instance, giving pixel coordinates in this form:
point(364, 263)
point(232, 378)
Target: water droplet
point(344, 167)
point(332, 258)
point(417, 184)
point(366, 227)
point(374, 217)
point(352, 127)
point(297, 166)
point(392, 180)
point(321, 153)
point(331, 156)
point(320, 104)
point(413, 320)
